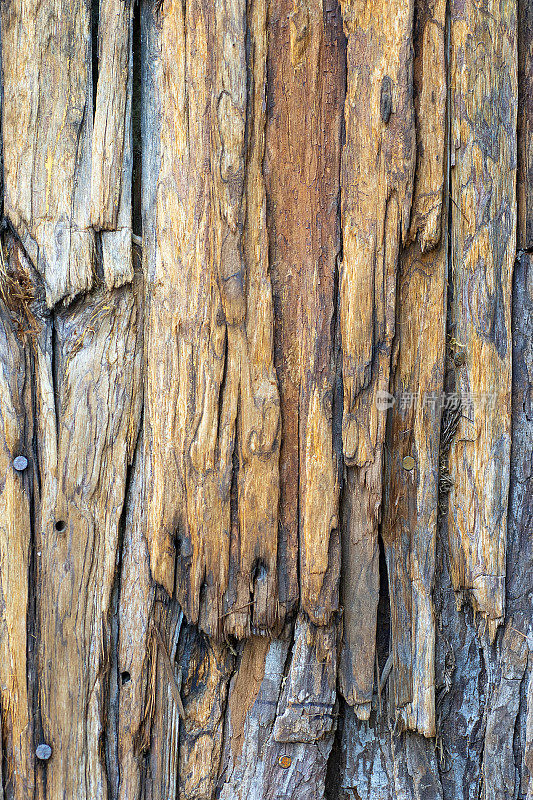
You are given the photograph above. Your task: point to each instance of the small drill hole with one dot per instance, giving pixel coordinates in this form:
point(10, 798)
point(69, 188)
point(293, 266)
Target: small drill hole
point(60, 525)
point(125, 678)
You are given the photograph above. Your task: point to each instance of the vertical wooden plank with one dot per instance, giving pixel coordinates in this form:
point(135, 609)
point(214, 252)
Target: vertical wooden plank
point(185, 339)
point(483, 222)
point(212, 408)
point(135, 606)
point(525, 125)
point(377, 185)
point(47, 125)
point(258, 424)
point(160, 737)
point(306, 93)
point(411, 496)
point(110, 116)
point(507, 752)
point(22, 333)
point(97, 383)
point(112, 151)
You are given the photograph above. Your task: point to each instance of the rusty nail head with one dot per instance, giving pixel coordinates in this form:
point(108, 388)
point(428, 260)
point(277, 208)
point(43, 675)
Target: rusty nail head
point(20, 463)
point(43, 752)
point(284, 762)
point(459, 358)
point(408, 462)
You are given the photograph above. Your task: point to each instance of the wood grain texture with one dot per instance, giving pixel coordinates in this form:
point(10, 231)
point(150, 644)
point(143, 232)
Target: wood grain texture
point(207, 669)
point(112, 156)
point(135, 613)
point(525, 126)
point(510, 731)
point(111, 119)
point(84, 458)
point(210, 588)
point(161, 723)
point(377, 763)
point(212, 407)
point(377, 186)
point(411, 496)
point(47, 124)
point(305, 103)
point(21, 337)
point(483, 77)
point(306, 708)
point(275, 744)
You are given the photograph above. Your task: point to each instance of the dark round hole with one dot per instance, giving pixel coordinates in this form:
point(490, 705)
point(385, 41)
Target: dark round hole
point(125, 678)
point(61, 526)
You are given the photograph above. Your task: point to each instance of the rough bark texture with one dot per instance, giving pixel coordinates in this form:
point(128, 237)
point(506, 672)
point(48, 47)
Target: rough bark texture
point(266, 471)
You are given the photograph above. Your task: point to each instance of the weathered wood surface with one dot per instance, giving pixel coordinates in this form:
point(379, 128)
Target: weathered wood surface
point(46, 132)
point(411, 495)
point(111, 119)
point(235, 564)
point(483, 236)
point(95, 352)
point(377, 187)
point(211, 394)
point(305, 106)
point(17, 333)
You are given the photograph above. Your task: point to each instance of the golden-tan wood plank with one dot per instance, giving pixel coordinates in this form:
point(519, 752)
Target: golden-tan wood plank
point(303, 159)
point(411, 491)
point(98, 391)
point(111, 120)
point(377, 186)
point(483, 74)
point(258, 423)
point(112, 153)
point(46, 127)
point(135, 615)
point(212, 407)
